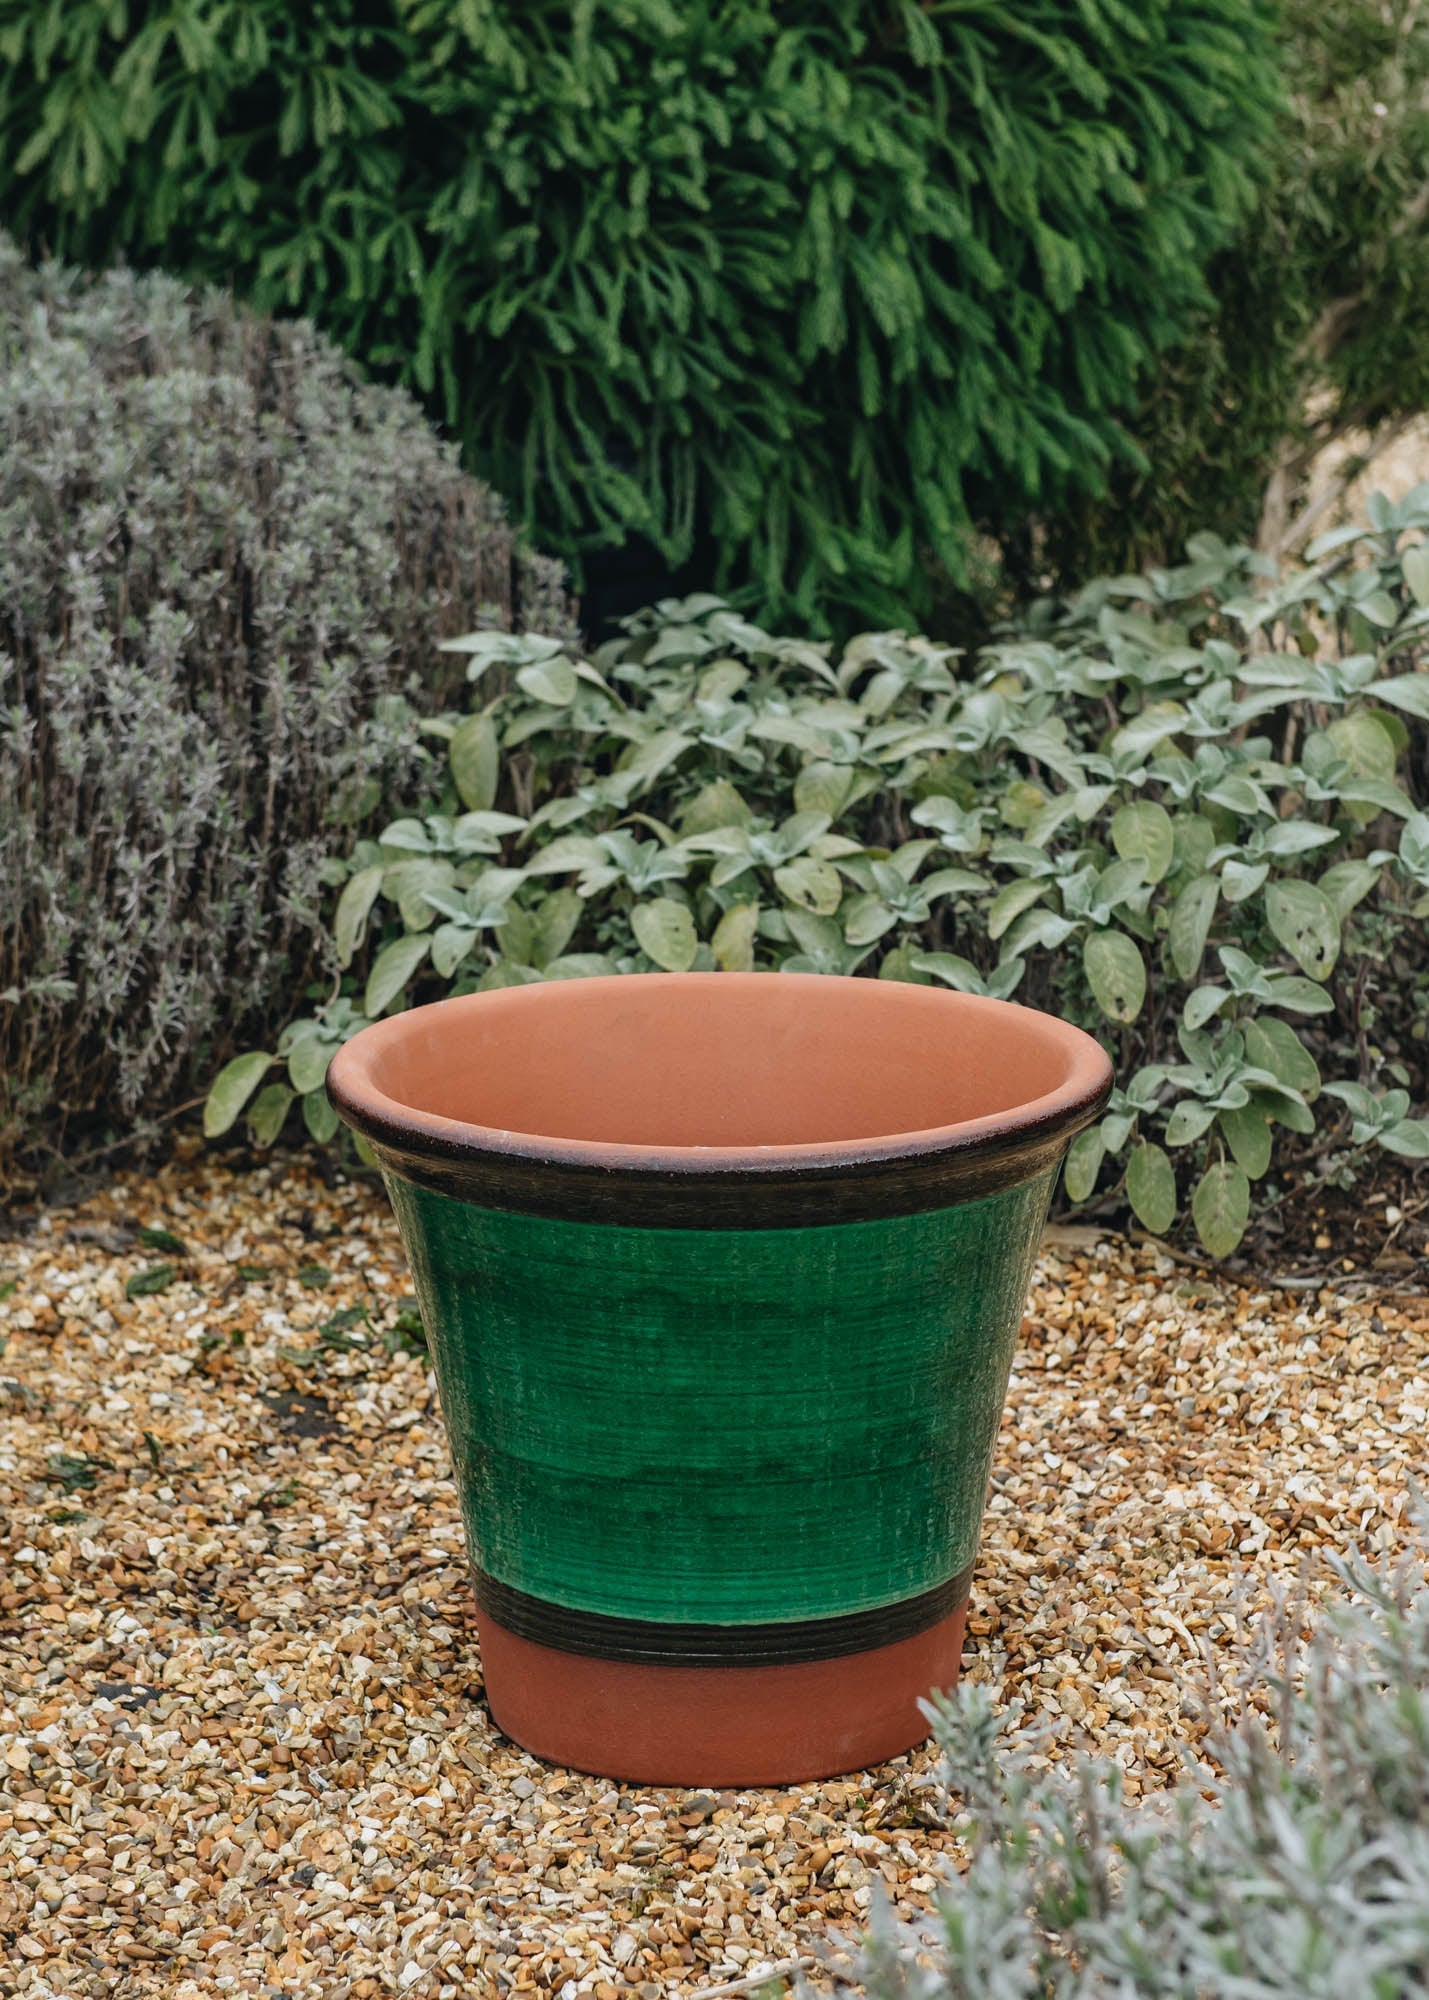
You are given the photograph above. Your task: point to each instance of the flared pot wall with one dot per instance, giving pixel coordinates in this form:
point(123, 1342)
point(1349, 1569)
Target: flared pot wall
point(722, 1276)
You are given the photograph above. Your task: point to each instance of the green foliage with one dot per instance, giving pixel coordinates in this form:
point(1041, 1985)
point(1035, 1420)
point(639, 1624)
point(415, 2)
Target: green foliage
point(143, 1284)
point(76, 1474)
point(1317, 327)
point(1296, 1865)
point(1173, 810)
point(222, 562)
point(826, 280)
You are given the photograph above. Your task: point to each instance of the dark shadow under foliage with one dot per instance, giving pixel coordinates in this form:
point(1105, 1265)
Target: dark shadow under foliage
point(224, 564)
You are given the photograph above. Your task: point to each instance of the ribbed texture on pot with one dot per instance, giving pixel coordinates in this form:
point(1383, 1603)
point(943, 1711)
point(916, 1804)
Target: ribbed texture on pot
point(720, 1426)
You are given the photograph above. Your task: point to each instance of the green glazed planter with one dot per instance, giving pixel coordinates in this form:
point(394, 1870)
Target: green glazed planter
point(722, 1275)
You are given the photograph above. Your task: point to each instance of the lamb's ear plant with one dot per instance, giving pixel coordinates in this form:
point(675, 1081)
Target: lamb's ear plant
point(1296, 1863)
point(1180, 810)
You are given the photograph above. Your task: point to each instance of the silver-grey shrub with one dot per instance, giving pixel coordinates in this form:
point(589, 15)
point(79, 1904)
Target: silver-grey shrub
point(225, 563)
point(1296, 1868)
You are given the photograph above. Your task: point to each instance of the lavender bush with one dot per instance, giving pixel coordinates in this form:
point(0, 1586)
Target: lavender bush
point(1295, 1868)
point(225, 564)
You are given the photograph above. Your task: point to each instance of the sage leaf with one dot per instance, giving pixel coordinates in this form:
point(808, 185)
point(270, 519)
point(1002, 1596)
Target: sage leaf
point(554, 924)
point(1191, 917)
point(823, 788)
point(1116, 974)
point(1203, 1005)
point(391, 969)
point(1009, 903)
point(1247, 1133)
point(232, 1088)
point(1220, 1208)
point(475, 756)
point(319, 1116)
point(308, 1060)
point(665, 931)
point(1273, 1045)
point(450, 945)
point(1409, 1138)
point(550, 681)
point(898, 964)
point(812, 885)
point(504, 974)
point(1143, 833)
point(515, 935)
point(1303, 922)
point(1407, 691)
point(1365, 744)
point(959, 973)
point(866, 919)
point(715, 804)
point(419, 888)
point(1301, 996)
point(1415, 565)
point(353, 907)
point(734, 935)
point(1151, 1188)
point(1195, 840)
point(581, 965)
point(1189, 1121)
point(1084, 1161)
point(268, 1111)
point(1346, 885)
point(1241, 879)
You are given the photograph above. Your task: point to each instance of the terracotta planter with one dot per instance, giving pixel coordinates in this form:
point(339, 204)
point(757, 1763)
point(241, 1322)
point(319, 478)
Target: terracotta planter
point(722, 1274)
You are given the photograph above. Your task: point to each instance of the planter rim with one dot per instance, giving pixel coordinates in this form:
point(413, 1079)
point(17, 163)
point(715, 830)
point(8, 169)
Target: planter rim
point(413, 1137)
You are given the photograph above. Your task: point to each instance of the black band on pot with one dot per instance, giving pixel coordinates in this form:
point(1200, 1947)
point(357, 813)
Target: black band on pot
point(886, 1183)
point(655, 1643)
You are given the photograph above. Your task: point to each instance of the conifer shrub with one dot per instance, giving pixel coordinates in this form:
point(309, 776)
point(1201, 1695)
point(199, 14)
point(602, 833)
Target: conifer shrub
point(820, 279)
point(224, 564)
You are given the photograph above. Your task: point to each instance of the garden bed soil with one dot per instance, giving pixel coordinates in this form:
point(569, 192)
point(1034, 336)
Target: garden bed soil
point(1379, 1225)
point(246, 1749)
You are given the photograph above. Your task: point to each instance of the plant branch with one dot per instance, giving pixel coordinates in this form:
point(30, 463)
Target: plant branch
point(136, 1137)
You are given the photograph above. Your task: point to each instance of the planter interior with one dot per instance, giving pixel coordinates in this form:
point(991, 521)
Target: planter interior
point(735, 1062)
point(722, 1275)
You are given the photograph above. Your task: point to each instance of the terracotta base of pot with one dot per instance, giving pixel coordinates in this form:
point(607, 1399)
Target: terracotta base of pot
point(717, 1727)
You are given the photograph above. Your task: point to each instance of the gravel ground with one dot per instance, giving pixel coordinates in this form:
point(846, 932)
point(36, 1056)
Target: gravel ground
point(243, 1738)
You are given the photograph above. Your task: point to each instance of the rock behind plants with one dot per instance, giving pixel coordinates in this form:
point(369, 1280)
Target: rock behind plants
point(224, 566)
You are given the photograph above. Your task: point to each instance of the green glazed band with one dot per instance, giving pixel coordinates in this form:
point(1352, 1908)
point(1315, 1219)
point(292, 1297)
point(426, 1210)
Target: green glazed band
point(784, 1433)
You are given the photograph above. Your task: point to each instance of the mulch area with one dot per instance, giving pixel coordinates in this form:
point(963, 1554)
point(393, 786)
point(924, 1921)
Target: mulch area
point(243, 1739)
